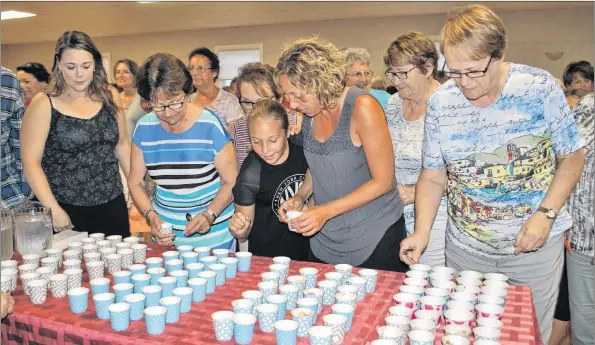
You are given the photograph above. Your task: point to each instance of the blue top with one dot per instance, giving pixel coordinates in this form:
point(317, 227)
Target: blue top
point(381, 96)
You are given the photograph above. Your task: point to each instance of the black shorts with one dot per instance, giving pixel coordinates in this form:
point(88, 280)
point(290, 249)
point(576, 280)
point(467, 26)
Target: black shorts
point(110, 218)
point(562, 307)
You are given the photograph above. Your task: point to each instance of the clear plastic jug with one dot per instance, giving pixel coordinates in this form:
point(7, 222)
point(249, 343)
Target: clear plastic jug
point(6, 234)
point(33, 228)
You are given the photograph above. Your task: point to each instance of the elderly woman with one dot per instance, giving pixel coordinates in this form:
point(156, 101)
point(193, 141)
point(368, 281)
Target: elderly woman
point(189, 155)
point(503, 141)
point(34, 78)
point(358, 72)
point(411, 60)
point(358, 214)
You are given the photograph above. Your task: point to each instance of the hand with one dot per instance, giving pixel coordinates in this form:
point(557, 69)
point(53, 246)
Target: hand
point(164, 240)
point(201, 223)
point(407, 194)
point(412, 247)
point(61, 220)
point(534, 233)
point(6, 305)
point(295, 203)
point(239, 225)
point(294, 130)
point(311, 221)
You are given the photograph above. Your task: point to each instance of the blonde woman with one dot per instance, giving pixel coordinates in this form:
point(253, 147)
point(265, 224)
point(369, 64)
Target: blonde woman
point(358, 214)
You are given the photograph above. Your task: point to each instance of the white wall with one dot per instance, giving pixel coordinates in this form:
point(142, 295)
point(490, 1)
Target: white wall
point(530, 35)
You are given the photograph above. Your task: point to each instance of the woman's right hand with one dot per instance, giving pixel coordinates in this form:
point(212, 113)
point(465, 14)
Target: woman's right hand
point(412, 247)
point(239, 225)
point(295, 203)
point(60, 220)
point(165, 240)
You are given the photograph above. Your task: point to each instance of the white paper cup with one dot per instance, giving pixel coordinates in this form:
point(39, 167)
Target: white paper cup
point(59, 285)
point(496, 276)
point(421, 337)
point(489, 322)
point(471, 274)
point(38, 291)
point(454, 340)
point(417, 274)
point(399, 310)
point(390, 332)
point(485, 333)
point(458, 317)
point(290, 216)
point(489, 310)
point(459, 331)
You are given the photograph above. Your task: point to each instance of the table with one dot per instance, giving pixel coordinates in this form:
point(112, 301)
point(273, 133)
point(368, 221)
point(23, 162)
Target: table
point(54, 323)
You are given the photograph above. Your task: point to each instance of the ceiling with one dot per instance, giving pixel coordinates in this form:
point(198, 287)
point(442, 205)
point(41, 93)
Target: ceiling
point(114, 18)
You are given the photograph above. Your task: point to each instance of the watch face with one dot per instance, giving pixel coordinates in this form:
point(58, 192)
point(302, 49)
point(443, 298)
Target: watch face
point(551, 214)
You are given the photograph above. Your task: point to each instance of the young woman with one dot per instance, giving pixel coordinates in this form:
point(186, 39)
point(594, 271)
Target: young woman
point(271, 174)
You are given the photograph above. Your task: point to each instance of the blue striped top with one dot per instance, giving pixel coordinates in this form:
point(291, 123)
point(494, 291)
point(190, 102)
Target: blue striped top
point(182, 166)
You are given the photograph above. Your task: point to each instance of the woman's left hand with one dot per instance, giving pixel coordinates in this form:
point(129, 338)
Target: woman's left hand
point(201, 223)
point(311, 221)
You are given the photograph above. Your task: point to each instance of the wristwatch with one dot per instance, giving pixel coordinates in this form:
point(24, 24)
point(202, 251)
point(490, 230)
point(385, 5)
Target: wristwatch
point(212, 214)
point(551, 214)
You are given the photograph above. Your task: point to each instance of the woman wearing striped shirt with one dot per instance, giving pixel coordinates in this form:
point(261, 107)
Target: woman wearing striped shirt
point(188, 153)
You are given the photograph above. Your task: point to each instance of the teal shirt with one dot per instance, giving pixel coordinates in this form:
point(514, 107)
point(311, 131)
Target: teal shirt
point(381, 96)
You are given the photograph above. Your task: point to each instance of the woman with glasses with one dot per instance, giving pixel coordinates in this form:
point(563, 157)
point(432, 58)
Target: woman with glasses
point(74, 138)
point(500, 138)
point(357, 219)
point(34, 78)
point(411, 60)
point(358, 72)
point(203, 65)
point(272, 173)
point(188, 153)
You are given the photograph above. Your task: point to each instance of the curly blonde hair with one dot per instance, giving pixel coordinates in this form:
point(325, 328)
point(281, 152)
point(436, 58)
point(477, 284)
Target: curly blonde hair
point(314, 66)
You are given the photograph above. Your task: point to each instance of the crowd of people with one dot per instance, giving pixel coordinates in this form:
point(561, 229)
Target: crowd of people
point(484, 165)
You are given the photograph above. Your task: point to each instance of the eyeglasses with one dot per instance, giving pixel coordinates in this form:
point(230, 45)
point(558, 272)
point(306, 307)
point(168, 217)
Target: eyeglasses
point(399, 75)
point(470, 74)
point(359, 75)
point(199, 69)
point(172, 106)
point(247, 105)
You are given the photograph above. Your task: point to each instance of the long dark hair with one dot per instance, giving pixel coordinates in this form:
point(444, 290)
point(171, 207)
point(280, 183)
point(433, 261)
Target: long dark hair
point(98, 89)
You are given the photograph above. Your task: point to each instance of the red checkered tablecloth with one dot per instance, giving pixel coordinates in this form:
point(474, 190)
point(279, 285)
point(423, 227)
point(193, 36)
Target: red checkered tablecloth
point(54, 323)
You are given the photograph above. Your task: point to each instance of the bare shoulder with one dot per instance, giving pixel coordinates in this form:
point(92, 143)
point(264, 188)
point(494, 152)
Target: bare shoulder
point(366, 109)
point(40, 106)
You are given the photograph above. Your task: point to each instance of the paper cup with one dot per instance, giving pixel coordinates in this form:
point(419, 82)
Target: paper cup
point(244, 261)
point(168, 284)
point(38, 291)
point(286, 332)
point(281, 302)
point(139, 252)
point(122, 290)
point(95, 269)
point(399, 310)
point(305, 318)
point(408, 300)
point(119, 314)
point(485, 333)
point(421, 267)
point(401, 322)
point(102, 301)
point(496, 276)
point(419, 337)
point(223, 325)
point(459, 331)
point(267, 316)
point(290, 216)
point(172, 304)
point(155, 319)
point(137, 305)
point(346, 310)
point(74, 277)
point(371, 277)
point(489, 311)
point(337, 324)
point(99, 286)
point(185, 294)
point(489, 322)
point(458, 317)
point(455, 340)
point(153, 295)
point(78, 298)
point(391, 333)
point(203, 252)
point(471, 275)
point(199, 289)
point(490, 299)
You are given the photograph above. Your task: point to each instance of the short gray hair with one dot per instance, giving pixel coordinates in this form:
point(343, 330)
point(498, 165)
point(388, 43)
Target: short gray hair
point(353, 55)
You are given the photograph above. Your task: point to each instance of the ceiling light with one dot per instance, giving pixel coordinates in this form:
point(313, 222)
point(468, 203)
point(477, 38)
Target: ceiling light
point(5, 15)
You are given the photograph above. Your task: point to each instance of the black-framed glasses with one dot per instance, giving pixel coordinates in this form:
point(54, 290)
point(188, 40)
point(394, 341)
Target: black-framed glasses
point(470, 74)
point(399, 75)
point(172, 106)
point(199, 69)
point(359, 75)
point(247, 105)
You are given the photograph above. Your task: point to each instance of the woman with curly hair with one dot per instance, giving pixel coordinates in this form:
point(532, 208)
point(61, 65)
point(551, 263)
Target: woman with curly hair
point(357, 218)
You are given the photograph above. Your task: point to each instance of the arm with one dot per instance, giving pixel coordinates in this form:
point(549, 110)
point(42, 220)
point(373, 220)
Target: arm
point(123, 146)
point(430, 185)
point(242, 221)
point(17, 110)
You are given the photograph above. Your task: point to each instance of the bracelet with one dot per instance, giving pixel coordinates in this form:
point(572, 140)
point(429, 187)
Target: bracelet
point(146, 213)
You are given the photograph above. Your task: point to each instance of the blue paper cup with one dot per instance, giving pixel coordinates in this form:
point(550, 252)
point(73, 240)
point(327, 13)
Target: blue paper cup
point(329, 288)
point(189, 258)
point(243, 328)
point(267, 316)
point(309, 303)
point(244, 260)
point(231, 267)
point(199, 289)
point(155, 319)
point(138, 269)
point(102, 302)
point(255, 296)
point(184, 249)
point(371, 276)
point(181, 276)
point(153, 294)
point(267, 288)
point(286, 332)
point(320, 335)
point(305, 319)
point(311, 275)
point(220, 254)
point(360, 282)
point(220, 270)
point(154, 262)
point(346, 310)
point(223, 325)
point(174, 265)
point(194, 269)
point(298, 281)
point(122, 277)
point(140, 281)
point(315, 293)
point(168, 284)
point(281, 302)
point(291, 292)
point(172, 304)
point(185, 294)
point(122, 290)
point(270, 277)
point(155, 274)
point(243, 306)
point(170, 255)
point(137, 305)
point(203, 252)
point(281, 270)
point(210, 277)
point(99, 286)
point(208, 260)
point(119, 314)
point(79, 299)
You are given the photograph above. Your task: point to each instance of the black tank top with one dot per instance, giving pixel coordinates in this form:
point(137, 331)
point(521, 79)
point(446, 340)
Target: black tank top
point(79, 160)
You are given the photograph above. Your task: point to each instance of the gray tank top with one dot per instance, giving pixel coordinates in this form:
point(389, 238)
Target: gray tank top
point(338, 167)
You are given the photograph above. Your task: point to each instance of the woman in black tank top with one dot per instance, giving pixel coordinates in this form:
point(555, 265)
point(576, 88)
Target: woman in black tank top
point(73, 139)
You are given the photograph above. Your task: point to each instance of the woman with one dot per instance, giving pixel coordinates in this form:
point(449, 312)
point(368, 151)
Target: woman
point(411, 60)
point(203, 64)
point(189, 155)
point(271, 173)
point(73, 139)
point(358, 214)
point(257, 82)
point(34, 78)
